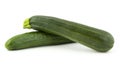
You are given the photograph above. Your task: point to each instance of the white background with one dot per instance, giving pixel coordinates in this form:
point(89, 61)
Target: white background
point(102, 14)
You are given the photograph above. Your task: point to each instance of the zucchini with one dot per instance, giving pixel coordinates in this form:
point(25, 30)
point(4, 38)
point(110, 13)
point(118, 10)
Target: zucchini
point(34, 39)
point(94, 38)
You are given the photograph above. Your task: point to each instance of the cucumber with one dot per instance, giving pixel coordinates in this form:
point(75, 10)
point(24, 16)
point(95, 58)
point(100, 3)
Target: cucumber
point(94, 38)
point(34, 39)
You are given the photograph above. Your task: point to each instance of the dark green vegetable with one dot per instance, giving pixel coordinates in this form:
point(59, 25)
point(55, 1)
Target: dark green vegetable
point(96, 39)
point(34, 39)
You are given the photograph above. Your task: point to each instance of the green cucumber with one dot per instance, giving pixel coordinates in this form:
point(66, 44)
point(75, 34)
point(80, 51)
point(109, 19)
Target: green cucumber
point(34, 39)
point(94, 38)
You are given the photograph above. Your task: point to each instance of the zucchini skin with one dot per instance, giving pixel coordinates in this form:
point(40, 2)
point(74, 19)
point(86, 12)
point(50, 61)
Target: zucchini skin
point(94, 38)
point(34, 39)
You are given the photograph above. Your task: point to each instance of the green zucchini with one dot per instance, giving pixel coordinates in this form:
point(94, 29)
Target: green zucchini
point(94, 38)
point(34, 39)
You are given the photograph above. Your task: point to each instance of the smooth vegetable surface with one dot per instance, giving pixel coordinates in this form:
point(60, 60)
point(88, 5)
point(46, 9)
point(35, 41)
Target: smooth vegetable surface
point(96, 39)
point(34, 39)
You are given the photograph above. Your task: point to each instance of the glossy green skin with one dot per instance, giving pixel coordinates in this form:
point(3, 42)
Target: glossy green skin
point(96, 39)
point(34, 39)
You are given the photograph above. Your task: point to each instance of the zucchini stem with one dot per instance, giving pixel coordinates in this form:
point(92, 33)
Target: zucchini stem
point(26, 24)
